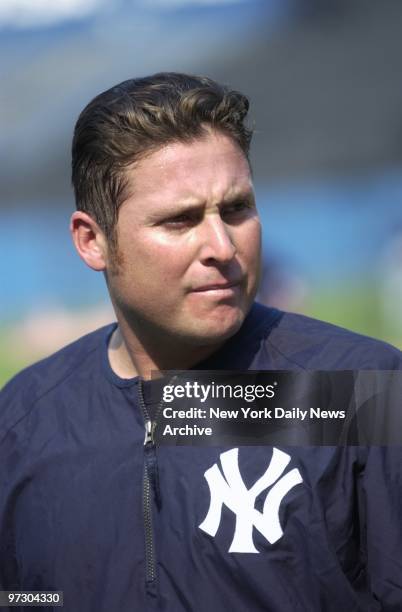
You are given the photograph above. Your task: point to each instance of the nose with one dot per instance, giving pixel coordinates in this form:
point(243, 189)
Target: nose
point(216, 241)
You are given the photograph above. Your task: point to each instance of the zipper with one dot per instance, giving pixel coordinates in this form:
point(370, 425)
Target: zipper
point(150, 572)
point(150, 484)
point(150, 565)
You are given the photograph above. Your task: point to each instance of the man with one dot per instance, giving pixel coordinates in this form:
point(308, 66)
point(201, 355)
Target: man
point(166, 210)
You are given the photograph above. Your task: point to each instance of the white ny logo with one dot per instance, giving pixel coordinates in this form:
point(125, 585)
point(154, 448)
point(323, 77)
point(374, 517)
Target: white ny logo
point(229, 489)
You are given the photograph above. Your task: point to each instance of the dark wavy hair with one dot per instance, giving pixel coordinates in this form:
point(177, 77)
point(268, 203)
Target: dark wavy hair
point(135, 118)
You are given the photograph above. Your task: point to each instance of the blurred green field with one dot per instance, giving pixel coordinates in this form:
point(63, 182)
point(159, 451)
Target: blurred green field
point(9, 363)
point(355, 307)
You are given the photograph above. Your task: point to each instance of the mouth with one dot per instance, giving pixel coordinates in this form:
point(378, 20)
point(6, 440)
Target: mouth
point(218, 287)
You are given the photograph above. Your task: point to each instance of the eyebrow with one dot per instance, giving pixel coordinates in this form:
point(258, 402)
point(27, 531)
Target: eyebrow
point(239, 197)
point(179, 208)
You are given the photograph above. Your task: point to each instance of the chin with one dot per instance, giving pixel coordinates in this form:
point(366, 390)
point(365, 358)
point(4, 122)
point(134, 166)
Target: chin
point(217, 329)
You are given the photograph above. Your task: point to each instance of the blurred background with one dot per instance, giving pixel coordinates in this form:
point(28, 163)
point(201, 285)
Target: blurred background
point(324, 79)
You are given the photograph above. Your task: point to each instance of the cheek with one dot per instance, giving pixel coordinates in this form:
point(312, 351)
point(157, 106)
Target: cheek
point(249, 242)
point(158, 260)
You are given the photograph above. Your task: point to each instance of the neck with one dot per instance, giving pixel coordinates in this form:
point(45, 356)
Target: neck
point(130, 356)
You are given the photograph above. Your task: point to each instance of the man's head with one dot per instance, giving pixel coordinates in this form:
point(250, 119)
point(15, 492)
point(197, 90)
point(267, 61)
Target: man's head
point(135, 118)
point(166, 206)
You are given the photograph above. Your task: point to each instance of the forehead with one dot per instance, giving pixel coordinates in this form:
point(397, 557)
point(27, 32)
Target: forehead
point(206, 169)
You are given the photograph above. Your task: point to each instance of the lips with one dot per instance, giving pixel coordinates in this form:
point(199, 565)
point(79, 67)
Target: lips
point(217, 286)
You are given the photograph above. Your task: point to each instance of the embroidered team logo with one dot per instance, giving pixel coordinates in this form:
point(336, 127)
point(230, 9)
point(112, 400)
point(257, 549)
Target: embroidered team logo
point(227, 487)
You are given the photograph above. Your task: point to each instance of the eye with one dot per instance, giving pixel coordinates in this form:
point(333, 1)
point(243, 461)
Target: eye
point(179, 221)
point(237, 209)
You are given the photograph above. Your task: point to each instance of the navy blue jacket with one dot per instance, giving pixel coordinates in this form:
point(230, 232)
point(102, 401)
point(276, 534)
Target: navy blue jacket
point(79, 514)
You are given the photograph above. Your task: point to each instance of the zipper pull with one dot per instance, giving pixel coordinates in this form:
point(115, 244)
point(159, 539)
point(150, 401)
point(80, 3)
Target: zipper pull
point(150, 427)
point(152, 462)
point(148, 433)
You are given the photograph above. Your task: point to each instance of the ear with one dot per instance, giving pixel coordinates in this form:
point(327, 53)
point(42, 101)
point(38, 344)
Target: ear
point(89, 240)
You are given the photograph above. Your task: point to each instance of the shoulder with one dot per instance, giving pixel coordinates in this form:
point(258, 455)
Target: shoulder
point(312, 344)
point(35, 382)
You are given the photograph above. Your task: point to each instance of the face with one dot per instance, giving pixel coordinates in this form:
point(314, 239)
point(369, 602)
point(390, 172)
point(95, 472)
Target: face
point(188, 239)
